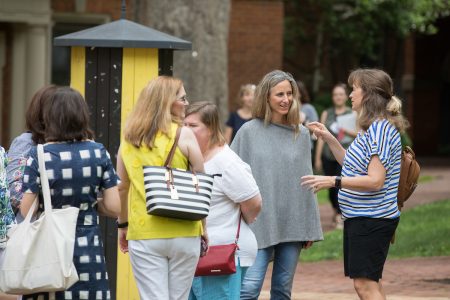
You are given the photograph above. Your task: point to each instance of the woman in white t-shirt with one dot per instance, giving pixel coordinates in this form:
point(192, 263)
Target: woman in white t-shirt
point(235, 191)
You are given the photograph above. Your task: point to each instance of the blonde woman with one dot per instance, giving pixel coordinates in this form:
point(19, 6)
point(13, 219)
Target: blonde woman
point(278, 150)
point(164, 251)
point(368, 184)
point(243, 114)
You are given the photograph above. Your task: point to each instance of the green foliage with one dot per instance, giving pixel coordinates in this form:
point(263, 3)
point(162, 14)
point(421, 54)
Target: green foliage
point(322, 101)
point(406, 140)
point(423, 231)
point(359, 26)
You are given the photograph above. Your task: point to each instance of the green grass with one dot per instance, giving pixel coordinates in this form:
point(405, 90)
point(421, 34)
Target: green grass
point(322, 197)
point(425, 178)
point(423, 231)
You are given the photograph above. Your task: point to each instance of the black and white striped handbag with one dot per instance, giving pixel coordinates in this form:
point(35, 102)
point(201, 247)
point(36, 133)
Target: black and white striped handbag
point(177, 193)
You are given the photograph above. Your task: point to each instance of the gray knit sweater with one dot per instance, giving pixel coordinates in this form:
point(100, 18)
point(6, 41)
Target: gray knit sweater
point(278, 161)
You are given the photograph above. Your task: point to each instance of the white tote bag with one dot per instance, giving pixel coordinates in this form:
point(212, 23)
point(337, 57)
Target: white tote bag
point(39, 255)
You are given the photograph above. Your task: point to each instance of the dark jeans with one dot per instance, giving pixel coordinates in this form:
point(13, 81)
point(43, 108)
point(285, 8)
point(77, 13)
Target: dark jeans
point(332, 168)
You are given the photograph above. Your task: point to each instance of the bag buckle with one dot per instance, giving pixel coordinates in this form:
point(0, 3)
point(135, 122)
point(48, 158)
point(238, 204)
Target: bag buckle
point(173, 193)
point(195, 182)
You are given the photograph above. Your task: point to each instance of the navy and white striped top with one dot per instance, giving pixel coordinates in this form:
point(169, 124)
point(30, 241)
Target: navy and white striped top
point(382, 139)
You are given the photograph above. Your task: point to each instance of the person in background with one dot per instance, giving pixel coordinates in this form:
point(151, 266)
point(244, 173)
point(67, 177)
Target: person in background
point(278, 149)
point(21, 145)
point(368, 184)
point(309, 112)
point(243, 114)
point(324, 158)
point(164, 251)
point(234, 192)
point(6, 212)
point(78, 168)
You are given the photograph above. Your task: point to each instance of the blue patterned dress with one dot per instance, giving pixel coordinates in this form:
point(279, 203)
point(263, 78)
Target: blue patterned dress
point(77, 171)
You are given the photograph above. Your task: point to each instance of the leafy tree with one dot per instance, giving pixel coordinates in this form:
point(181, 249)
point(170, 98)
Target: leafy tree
point(352, 33)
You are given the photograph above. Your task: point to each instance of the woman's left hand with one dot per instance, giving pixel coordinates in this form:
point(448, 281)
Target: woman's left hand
point(308, 244)
point(317, 183)
point(123, 242)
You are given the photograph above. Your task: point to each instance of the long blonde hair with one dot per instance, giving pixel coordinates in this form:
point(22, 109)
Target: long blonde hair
point(378, 98)
point(261, 107)
point(152, 112)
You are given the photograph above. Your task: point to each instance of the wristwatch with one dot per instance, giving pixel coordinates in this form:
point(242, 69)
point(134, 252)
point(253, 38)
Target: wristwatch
point(122, 225)
point(337, 182)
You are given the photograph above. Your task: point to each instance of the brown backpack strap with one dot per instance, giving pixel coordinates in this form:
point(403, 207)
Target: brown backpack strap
point(172, 150)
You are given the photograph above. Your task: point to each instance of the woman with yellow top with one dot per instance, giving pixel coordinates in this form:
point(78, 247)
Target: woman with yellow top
point(163, 251)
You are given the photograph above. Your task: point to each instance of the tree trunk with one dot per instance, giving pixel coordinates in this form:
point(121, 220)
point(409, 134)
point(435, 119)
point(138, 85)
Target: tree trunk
point(204, 70)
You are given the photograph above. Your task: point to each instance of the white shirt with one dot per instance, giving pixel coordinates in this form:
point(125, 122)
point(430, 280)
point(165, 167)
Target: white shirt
point(236, 185)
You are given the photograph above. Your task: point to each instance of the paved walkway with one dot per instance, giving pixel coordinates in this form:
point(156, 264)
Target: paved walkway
point(404, 279)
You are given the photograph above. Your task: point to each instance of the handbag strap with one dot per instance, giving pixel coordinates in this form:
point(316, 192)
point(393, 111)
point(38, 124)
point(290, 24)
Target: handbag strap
point(168, 162)
point(239, 228)
point(44, 180)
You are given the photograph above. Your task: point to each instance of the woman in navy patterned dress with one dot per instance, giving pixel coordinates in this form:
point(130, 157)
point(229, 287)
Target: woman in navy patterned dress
point(77, 169)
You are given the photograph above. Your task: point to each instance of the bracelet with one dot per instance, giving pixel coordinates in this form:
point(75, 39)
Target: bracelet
point(122, 225)
point(338, 182)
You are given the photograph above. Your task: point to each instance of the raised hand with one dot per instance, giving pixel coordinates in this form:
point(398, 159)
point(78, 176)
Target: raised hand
point(319, 130)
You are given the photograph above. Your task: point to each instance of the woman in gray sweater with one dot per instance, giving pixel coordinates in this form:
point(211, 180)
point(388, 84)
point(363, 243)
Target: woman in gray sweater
point(278, 150)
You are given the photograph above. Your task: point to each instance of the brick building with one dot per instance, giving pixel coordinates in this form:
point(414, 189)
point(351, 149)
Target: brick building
point(255, 43)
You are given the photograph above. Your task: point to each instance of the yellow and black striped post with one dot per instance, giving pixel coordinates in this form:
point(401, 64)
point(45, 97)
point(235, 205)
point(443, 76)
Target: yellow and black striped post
point(110, 65)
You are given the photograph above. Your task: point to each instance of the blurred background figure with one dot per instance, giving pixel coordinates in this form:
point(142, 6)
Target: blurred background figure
point(308, 112)
point(324, 159)
point(6, 213)
point(243, 114)
point(21, 145)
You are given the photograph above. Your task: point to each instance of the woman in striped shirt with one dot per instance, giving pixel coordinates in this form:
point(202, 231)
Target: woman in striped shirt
point(369, 181)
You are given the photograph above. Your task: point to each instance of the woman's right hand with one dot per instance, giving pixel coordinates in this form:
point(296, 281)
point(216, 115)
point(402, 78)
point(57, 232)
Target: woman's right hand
point(320, 131)
point(123, 242)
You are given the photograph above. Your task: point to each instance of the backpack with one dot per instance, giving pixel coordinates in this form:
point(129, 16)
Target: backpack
point(409, 175)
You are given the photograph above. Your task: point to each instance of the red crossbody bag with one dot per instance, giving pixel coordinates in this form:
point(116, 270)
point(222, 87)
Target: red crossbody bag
point(220, 259)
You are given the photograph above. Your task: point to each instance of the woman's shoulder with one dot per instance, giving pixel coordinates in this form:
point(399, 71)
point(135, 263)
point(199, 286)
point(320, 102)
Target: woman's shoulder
point(2, 156)
point(303, 131)
point(228, 156)
point(382, 125)
point(307, 107)
point(382, 128)
point(22, 143)
point(254, 123)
